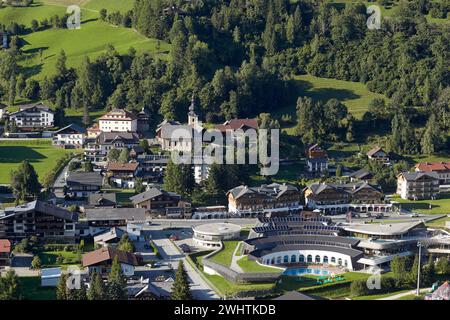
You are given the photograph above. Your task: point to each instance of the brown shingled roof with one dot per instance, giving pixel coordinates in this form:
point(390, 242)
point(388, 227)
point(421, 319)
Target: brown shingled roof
point(105, 254)
point(236, 124)
point(117, 166)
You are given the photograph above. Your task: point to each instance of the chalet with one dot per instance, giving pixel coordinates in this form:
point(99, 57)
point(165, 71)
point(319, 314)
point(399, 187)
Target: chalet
point(316, 151)
point(109, 237)
point(122, 175)
point(118, 120)
point(248, 201)
point(237, 124)
point(361, 175)
point(83, 184)
point(441, 168)
point(379, 154)
point(101, 261)
point(160, 203)
point(31, 117)
point(150, 290)
point(418, 185)
point(97, 149)
point(316, 159)
point(72, 136)
point(39, 219)
point(100, 219)
point(343, 197)
point(102, 200)
point(5, 253)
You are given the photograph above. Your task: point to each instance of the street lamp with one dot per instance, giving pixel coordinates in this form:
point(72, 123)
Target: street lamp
point(419, 244)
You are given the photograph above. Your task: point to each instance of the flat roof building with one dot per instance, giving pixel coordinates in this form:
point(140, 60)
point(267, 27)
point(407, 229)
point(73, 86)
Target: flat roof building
point(212, 234)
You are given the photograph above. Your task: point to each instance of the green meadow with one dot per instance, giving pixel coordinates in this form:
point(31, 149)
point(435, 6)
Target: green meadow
point(42, 48)
point(354, 95)
point(41, 154)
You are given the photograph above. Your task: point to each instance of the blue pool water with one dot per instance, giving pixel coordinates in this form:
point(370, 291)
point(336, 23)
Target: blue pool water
point(301, 271)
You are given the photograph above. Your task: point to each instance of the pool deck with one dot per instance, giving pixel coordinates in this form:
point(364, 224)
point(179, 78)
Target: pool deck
point(329, 269)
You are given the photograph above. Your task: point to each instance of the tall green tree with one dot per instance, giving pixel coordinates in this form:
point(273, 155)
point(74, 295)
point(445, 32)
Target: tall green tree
point(97, 289)
point(179, 178)
point(181, 287)
point(9, 286)
point(116, 282)
point(24, 181)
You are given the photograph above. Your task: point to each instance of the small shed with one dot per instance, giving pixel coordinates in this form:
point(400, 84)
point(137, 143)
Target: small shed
point(50, 277)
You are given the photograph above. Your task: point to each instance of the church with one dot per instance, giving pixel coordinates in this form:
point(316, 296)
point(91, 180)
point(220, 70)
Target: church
point(170, 140)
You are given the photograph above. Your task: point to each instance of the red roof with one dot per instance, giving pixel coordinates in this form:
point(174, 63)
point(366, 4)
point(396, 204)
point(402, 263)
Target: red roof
point(105, 254)
point(236, 124)
point(5, 246)
point(434, 166)
point(117, 166)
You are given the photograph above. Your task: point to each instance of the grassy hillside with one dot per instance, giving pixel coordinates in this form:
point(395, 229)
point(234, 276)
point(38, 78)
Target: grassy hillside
point(90, 40)
point(354, 95)
point(37, 11)
point(110, 5)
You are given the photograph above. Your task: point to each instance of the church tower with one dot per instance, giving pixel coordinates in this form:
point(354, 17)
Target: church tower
point(192, 116)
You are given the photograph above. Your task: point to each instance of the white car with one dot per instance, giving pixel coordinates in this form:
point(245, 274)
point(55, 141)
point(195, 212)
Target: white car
point(414, 215)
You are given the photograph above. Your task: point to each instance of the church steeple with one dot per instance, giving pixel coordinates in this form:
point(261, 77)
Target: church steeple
point(192, 116)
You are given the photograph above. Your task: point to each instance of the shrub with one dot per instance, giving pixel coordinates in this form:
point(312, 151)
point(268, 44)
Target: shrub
point(359, 288)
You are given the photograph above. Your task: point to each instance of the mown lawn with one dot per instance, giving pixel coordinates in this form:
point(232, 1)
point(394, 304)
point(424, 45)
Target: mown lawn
point(49, 258)
point(438, 206)
point(253, 266)
point(41, 154)
point(30, 289)
point(225, 255)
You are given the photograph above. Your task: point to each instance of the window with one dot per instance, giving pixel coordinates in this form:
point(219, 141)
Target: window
point(272, 261)
point(286, 259)
point(317, 259)
point(346, 263)
point(333, 260)
point(279, 260)
point(301, 258)
point(325, 259)
point(340, 261)
point(293, 258)
point(309, 258)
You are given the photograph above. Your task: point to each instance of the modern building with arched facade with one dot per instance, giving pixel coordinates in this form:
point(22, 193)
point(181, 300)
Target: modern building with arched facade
point(304, 249)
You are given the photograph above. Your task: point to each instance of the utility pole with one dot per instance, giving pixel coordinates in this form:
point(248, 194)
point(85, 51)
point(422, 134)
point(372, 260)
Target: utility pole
point(419, 244)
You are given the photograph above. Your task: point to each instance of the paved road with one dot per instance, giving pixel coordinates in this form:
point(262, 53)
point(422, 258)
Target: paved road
point(404, 294)
point(199, 288)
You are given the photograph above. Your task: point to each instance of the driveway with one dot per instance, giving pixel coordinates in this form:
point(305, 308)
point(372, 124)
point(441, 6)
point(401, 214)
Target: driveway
point(199, 288)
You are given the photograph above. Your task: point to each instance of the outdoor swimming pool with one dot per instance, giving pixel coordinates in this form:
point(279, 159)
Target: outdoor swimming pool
point(302, 271)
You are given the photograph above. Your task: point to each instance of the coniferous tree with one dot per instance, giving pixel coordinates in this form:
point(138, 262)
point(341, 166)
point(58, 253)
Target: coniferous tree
point(116, 282)
point(62, 292)
point(96, 288)
point(181, 287)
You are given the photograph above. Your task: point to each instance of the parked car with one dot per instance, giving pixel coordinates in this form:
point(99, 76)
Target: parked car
point(153, 265)
point(173, 237)
point(414, 215)
point(185, 248)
